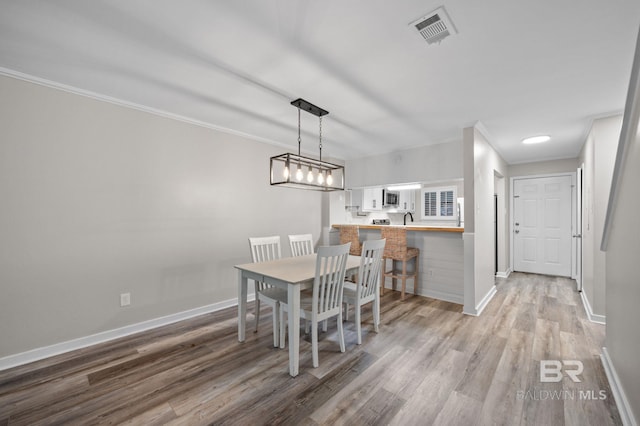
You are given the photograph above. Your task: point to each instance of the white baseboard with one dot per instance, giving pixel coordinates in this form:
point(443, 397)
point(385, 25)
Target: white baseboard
point(483, 303)
point(503, 274)
point(598, 319)
point(105, 336)
point(626, 414)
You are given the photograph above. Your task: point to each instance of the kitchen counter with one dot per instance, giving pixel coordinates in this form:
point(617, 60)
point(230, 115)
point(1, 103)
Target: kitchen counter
point(441, 263)
point(422, 228)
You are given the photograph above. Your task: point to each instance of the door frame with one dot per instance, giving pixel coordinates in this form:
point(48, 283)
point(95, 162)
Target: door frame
point(496, 240)
point(573, 215)
point(577, 233)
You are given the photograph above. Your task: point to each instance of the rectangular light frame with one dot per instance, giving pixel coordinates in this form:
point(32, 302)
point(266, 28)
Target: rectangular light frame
point(279, 178)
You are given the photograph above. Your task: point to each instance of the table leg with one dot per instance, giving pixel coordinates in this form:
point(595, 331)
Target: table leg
point(293, 294)
point(242, 305)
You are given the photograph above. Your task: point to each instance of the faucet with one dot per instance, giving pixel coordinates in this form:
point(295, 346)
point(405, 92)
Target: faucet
point(405, 217)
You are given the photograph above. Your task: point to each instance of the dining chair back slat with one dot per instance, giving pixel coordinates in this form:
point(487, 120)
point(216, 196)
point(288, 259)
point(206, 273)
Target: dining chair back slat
point(264, 249)
point(370, 267)
point(329, 280)
point(301, 244)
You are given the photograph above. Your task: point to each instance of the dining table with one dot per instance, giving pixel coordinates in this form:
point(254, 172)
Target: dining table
point(293, 274)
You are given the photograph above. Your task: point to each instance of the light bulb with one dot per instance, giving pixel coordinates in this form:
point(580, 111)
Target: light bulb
point(310, 175)
point(329, 178)
point(299, 174)
point(320, 177)
point(285, 172)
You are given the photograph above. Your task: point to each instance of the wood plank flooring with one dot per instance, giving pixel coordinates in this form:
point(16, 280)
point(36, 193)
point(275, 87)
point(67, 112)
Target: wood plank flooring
point(429, 364)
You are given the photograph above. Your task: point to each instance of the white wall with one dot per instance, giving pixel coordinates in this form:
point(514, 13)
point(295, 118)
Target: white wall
point(623, 283)
point(482, 164)
point(424, 164)
point(598, 157)
point(543, 167)
point(100, 199)
point(623, 246)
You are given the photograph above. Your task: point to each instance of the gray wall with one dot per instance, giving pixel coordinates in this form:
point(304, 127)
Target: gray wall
point(424, 164)
point(598, 157)
point(623, 284)
point(100, 199)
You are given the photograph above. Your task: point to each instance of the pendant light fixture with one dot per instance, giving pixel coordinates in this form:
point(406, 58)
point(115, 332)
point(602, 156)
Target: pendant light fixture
point(309, 172)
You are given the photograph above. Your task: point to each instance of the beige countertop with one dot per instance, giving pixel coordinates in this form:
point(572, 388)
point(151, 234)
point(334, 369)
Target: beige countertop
point(421, 228)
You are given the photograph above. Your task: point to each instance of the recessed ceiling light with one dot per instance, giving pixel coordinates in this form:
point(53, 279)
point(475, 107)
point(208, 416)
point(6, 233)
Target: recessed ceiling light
point(536, 139)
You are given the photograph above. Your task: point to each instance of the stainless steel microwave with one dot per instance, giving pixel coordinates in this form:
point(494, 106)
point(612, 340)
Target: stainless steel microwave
point(390, 198)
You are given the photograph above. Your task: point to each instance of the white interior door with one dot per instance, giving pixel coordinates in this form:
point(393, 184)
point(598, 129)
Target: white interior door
point(542, 225)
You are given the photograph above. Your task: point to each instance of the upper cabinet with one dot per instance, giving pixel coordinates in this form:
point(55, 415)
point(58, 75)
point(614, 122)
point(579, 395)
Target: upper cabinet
point(372, 199)
point(354, 199)
point(407, 201)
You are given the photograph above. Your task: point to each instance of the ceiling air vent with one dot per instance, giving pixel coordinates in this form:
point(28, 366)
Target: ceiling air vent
point(435, 26)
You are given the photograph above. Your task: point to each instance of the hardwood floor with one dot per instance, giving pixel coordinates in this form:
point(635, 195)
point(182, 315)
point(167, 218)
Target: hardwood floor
point(429, 364)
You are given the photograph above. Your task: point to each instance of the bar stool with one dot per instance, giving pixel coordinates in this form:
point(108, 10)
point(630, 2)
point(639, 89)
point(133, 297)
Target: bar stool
point(396, 249)
point(350, 234)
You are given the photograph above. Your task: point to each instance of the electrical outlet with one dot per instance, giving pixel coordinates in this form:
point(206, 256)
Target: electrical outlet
point(125, 299)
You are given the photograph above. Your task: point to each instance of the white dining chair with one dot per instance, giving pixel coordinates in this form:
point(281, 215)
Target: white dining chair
point(326, 299)
point(301, 244)
point(365, 289)
point(264, 249)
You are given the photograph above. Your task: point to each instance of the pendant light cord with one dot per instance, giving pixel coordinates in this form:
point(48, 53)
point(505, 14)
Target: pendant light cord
point(299, 140)
point(320, 138)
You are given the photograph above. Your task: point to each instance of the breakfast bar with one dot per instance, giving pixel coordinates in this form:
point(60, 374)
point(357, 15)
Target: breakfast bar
point(441, 271)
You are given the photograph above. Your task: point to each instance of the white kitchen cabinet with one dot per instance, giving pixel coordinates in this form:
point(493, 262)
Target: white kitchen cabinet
point(407, 200)
point(372, 199)
point(354, 200)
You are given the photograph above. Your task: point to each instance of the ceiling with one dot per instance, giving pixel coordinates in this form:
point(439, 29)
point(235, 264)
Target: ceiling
point(519, 68)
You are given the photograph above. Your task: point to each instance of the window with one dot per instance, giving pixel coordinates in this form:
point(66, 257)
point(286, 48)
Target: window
point(439, 203)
